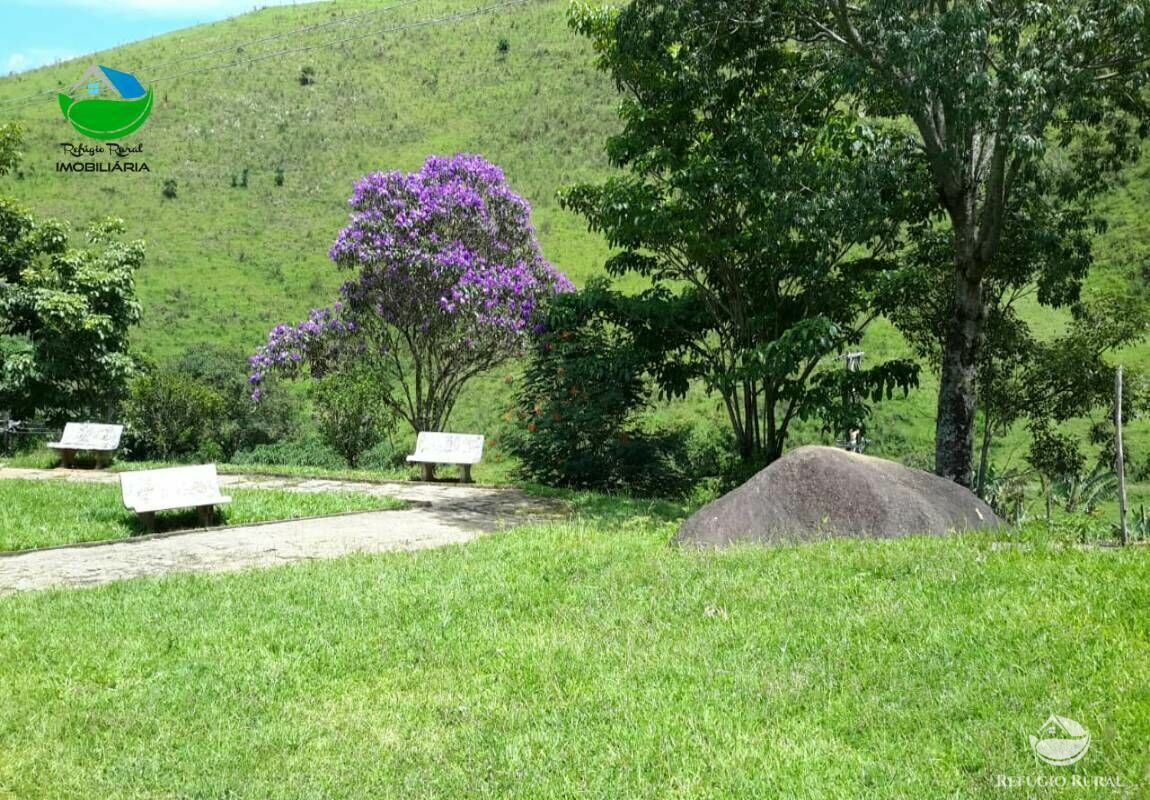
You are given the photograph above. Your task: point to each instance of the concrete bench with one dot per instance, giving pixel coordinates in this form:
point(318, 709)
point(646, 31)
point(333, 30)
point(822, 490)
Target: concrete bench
point(90, 436)
point(152, 490)
point(433, 448)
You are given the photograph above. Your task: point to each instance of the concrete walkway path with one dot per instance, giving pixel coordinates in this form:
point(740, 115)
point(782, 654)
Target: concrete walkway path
point(447, 514)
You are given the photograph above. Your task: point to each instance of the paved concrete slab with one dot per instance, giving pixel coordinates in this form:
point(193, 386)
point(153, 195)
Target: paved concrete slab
point(448, 514)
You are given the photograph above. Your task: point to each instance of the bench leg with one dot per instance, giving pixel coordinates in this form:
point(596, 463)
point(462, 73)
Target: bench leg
point(207, 514)
point(465, 473)
point(148, 518)
point(66, 457)
point(99, 460)
point(428, 471)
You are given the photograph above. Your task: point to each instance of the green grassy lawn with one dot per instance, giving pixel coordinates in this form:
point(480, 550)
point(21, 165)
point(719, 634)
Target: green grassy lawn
point(41, 513)
point(585, 659)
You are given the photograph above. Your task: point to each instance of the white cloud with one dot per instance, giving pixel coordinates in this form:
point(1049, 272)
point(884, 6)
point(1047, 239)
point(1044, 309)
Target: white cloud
point(33, 57)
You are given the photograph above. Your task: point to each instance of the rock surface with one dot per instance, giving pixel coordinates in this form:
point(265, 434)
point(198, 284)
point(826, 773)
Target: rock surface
point(822, 492)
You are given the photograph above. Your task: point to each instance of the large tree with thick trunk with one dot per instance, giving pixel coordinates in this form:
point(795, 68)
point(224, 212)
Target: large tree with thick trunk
point(1000, 94)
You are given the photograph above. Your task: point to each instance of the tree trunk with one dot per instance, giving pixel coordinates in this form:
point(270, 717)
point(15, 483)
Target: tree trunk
point(954, 429)
point(984, 456)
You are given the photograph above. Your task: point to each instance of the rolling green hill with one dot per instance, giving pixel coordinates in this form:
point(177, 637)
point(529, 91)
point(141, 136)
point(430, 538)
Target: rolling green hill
point(226, 263)
point(393, 82)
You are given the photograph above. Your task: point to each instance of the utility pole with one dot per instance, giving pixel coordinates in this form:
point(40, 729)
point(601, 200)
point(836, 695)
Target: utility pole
point(1119, 466)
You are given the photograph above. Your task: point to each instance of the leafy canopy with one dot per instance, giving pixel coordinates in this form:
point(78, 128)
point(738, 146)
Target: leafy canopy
point(762, 215)
point(449, 280)
point(65, 314)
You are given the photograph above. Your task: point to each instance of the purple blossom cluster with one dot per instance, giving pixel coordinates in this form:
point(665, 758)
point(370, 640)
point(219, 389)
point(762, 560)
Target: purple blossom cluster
point(291, 348)
point(446, 256)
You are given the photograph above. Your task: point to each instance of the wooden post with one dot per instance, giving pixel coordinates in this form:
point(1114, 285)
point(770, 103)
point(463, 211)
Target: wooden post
point(1119, 466)
point(853, 363)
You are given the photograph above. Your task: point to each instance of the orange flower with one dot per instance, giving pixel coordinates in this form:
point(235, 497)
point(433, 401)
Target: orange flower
point(531, 427)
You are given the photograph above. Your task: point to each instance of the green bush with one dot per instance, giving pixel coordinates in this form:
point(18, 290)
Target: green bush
point(575, 418)
point(170, 415)
point(350, 413)
point(384, 456)
point(240, 423)
point(200, 406)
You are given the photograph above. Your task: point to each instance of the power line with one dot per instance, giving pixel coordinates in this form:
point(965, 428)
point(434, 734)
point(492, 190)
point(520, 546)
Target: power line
point(396, 29)
point(239, 46)
point(282, 34)
point(446, 18)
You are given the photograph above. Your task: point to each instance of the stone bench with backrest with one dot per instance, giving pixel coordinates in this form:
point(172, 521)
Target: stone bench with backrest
point(90, 436)
point(463, 449)
point(152, 490)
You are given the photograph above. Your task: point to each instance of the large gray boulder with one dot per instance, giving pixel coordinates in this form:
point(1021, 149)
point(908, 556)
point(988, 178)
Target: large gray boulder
point(821, 492)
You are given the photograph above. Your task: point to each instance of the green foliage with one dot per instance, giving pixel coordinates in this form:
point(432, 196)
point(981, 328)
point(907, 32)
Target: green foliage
point(1138, 525)
point(1005, 492)
point(351, 412)
point(196, 288)
point(11, 139)
point(171, 416)
point(761, 213)
point(198, 406)
point(306, 75)
point(65, 314)
point(575, 409)
point(170, 189)
point(239, 423)
point(1054, 455)
point(1023, 377)
point(1024, 116)
point(1083, 492)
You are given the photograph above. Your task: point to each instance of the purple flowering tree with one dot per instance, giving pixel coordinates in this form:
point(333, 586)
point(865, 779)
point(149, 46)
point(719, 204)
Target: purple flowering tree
point(449, 282)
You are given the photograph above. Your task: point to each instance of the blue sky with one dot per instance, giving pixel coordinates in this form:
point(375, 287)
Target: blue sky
point(38, 32)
